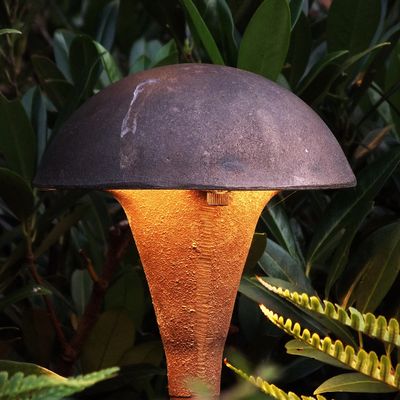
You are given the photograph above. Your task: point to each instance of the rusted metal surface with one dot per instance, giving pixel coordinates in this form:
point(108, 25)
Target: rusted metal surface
point(193, 256)
point(194, 126)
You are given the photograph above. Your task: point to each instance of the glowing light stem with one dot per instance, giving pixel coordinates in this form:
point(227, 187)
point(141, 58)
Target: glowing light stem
point(193, 256)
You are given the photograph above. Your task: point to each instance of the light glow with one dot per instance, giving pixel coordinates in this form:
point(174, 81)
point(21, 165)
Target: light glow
point(193, 255)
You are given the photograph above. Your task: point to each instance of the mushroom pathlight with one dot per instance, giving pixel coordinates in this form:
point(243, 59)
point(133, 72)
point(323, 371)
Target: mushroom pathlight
point(193, 153)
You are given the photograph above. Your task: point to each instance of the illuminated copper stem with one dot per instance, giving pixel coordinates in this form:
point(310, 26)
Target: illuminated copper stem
point(193, 255)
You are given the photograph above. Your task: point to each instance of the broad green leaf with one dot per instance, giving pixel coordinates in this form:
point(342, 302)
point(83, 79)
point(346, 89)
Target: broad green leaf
point(352, 24)
point(254, 291)
point(296, 347)
point(278, 223)
point(341, 254)
point(354, 383)
point(218, 17)
point(40, 123)
point(62, 226)
point(358, 56)
point(296, 7)
point(322, 87)
point(57, 206)
point(299, 50)
point(37, 334)
point(167, 55)
point(377, 97)
point(390, 34)
point(127, 293)
point(10, 268)
point(8, 31)
point(27, 100)
point(379, 256)
point(52, 81)
point(10, 235)
point(250, 319)
point(108, 23)
point(17, 139)
point(142, 54)
point(346, 203)
point(21, 294)
point(203, 33)
point(81, 289)
point(111, 71)
point(298, 369)
point(317, 68)
point(276, 262)
point(141, 64)
point(393, 81)
point(112, 336)
point(150, 353)
point(98, 221)
point(61, 43)
point(149, 54)
point(282, 81)
point(16, 193)
point(257, 248)
point(35, 106)
point(89, 235)
point(266, 39)
point(85, 65)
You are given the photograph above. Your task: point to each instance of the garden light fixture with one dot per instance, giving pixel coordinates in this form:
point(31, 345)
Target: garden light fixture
point(193, 153)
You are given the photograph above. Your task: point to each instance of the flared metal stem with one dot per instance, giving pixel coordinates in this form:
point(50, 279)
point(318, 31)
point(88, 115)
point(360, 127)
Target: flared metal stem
point(193, 256)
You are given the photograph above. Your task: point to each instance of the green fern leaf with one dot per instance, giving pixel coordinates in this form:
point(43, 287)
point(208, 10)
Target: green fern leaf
point(269, 388)
point(368, 324)
point(47, 385)
point(365, 362)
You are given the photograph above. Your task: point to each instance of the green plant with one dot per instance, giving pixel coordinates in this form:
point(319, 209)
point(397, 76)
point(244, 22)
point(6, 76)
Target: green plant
point(269, 388)
point(374, 374)
point(28, 381)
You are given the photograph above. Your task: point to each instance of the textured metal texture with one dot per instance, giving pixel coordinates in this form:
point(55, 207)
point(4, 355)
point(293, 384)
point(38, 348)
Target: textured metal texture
point(194, 126)
point(193, 256)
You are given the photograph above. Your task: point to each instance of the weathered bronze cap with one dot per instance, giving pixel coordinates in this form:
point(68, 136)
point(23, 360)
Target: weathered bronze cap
point(194, 126)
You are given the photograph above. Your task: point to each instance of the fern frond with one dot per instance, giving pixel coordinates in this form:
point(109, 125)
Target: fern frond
point(362, 361)
point(45, 387)
point(368, 324)
point(269, 388)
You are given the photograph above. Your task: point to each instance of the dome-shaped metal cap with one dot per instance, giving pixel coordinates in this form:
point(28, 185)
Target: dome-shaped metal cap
point(194, 126)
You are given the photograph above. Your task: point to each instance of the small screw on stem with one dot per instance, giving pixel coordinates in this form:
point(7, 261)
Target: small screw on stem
point(218, 198)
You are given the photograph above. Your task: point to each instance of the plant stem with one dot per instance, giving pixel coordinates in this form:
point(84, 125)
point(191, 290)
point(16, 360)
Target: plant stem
point(30, 258)
point(120, 238)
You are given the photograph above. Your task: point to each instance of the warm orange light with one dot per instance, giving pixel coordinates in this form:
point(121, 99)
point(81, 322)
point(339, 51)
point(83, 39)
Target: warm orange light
point(193, 255)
